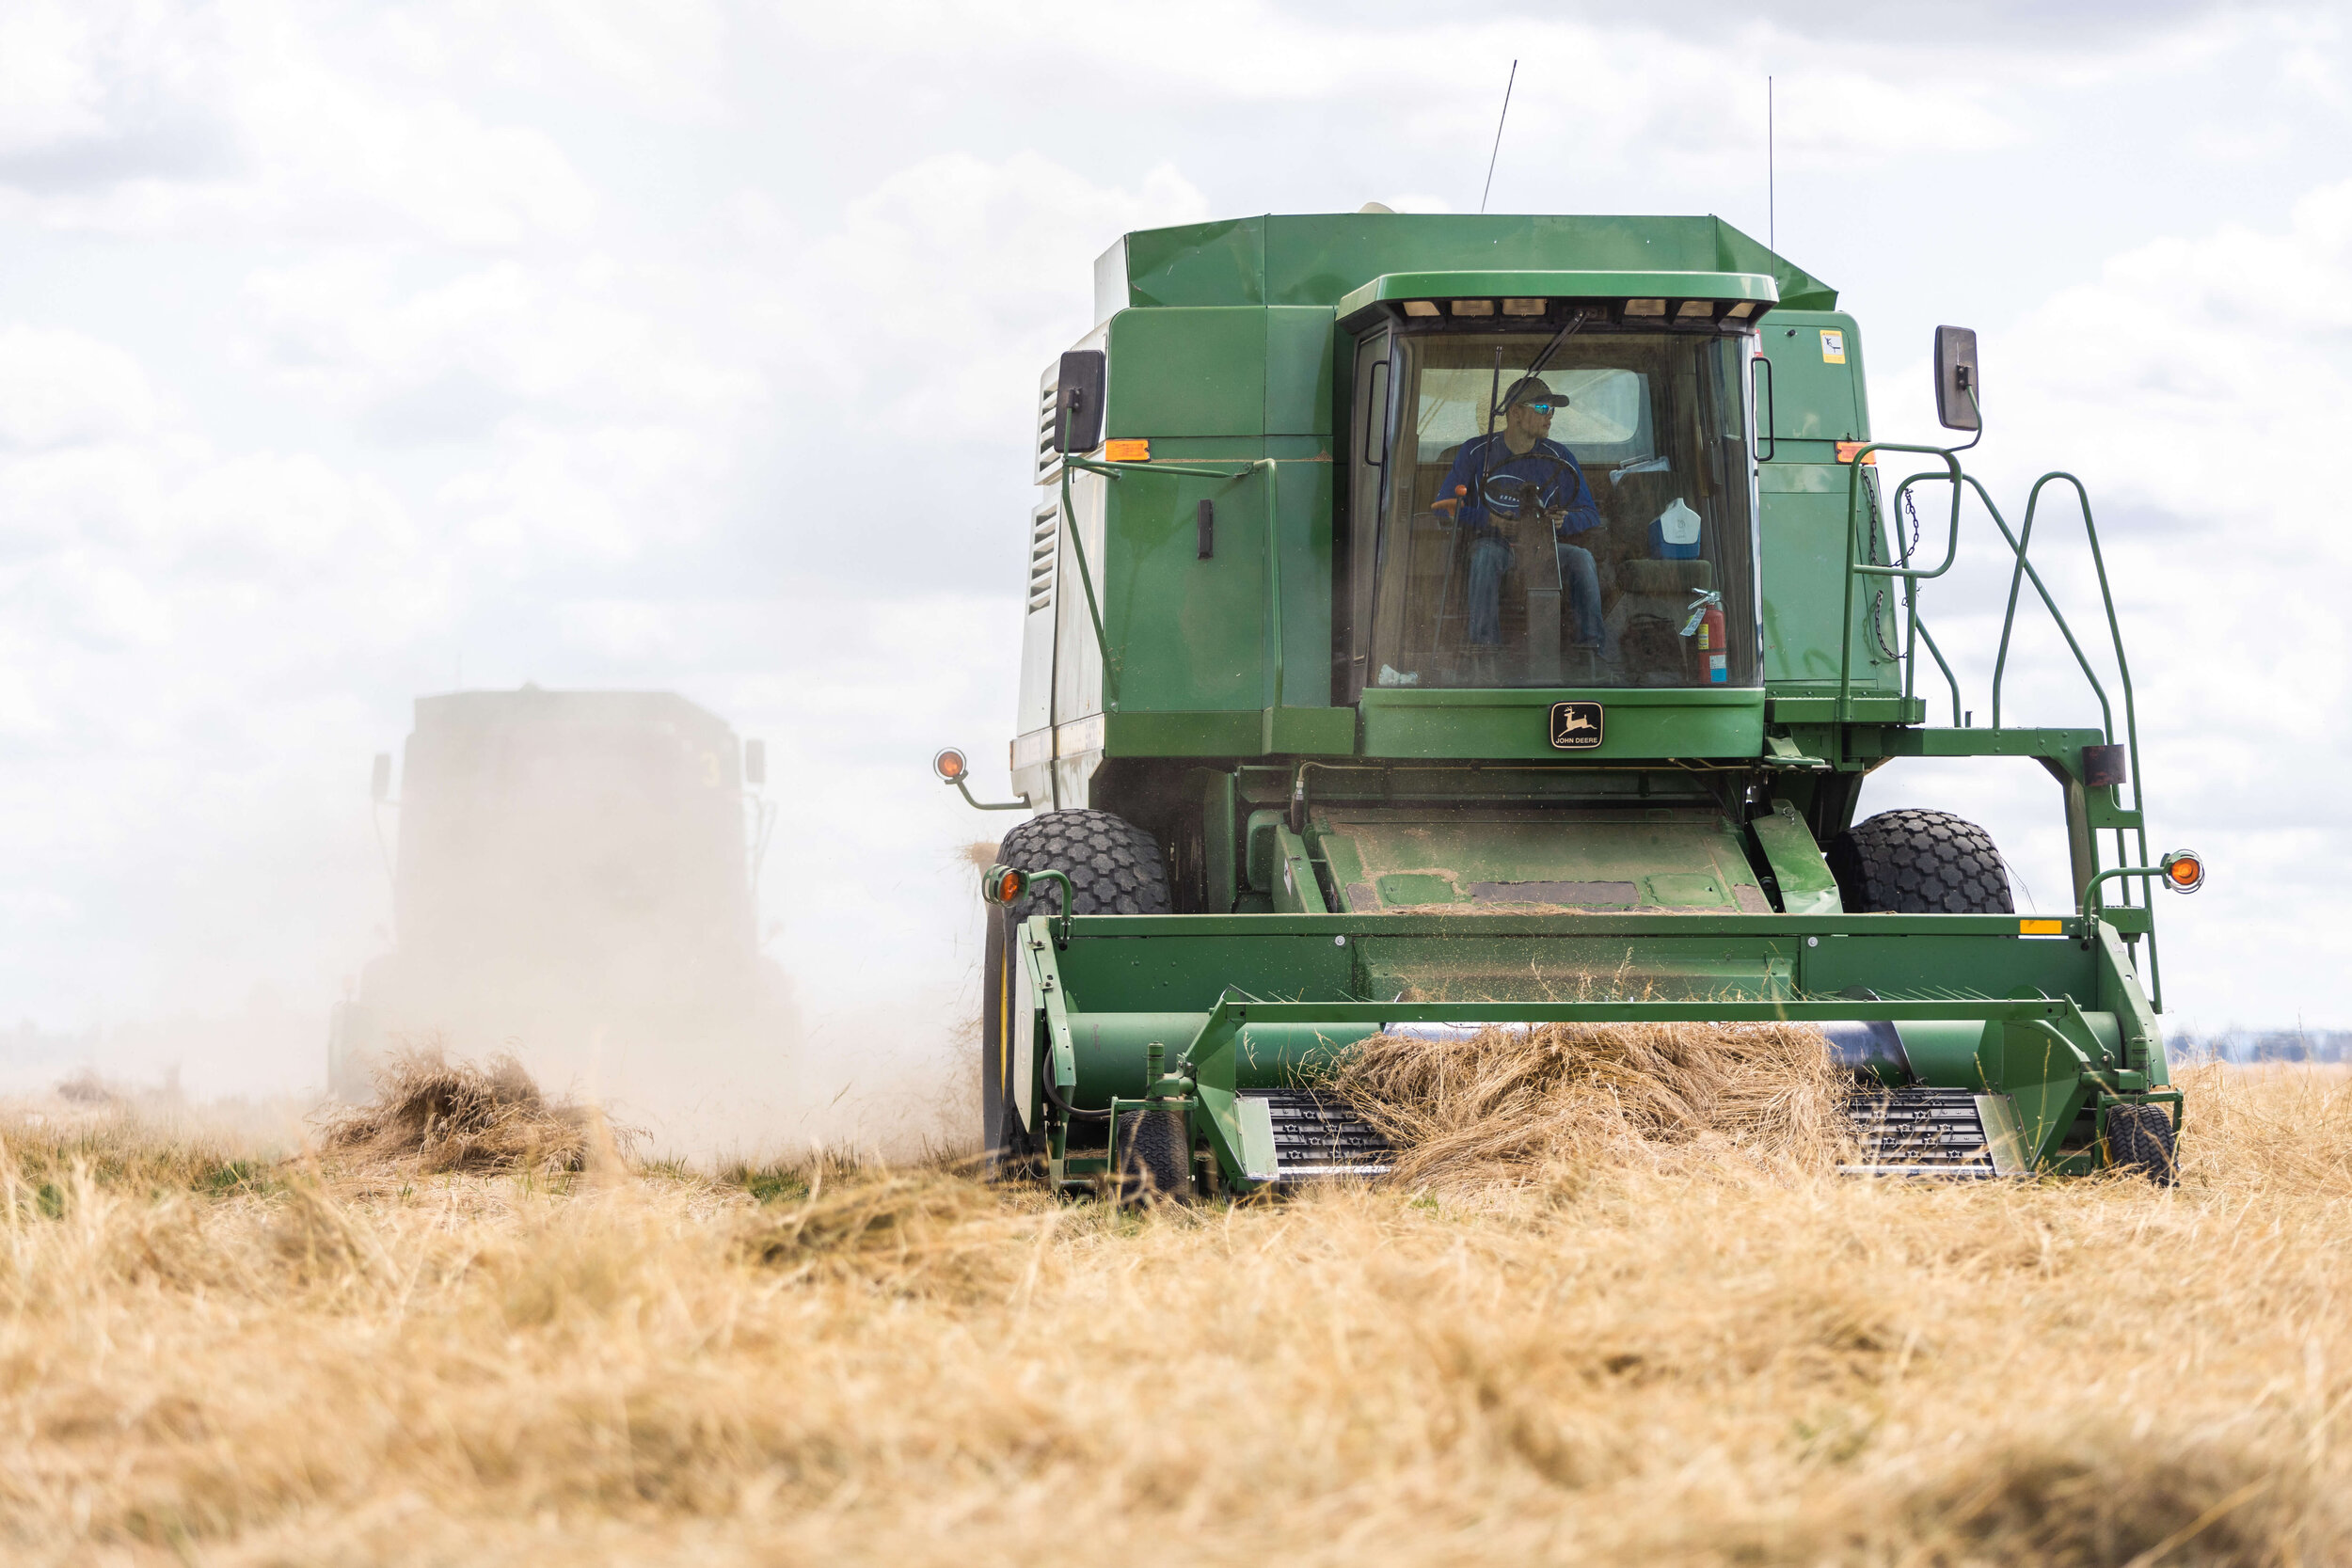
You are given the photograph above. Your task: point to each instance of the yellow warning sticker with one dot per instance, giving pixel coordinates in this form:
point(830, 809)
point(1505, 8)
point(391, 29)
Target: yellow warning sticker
point(1833, 347)
point(2041, 928)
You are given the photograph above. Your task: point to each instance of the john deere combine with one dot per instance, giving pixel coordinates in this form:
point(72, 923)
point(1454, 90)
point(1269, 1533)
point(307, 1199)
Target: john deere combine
point(1440, 621)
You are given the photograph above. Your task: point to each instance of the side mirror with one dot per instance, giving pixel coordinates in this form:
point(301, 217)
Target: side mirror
point(1957, 397)
point(755, 762)
point(1078, 400)
point(380, 778)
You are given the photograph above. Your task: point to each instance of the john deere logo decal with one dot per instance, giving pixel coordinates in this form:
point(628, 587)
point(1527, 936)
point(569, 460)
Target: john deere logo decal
point(1575, 726)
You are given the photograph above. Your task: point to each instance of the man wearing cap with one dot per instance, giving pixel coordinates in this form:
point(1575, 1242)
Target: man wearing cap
point(1490, 476)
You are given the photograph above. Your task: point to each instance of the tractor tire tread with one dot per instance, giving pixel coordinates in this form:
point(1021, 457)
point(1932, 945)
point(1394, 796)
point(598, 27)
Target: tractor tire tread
point(1915, 862)
point(2140, 1140)
point(1114, 866)
point(1153, 1159)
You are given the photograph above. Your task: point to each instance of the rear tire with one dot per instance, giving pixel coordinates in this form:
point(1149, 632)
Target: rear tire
point(1919, 863)
point(1114, 866)
point(1155, 1158)
point(2139, 1140)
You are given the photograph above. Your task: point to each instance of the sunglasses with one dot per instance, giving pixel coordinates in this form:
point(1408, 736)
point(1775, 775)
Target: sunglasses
point(1542, 407)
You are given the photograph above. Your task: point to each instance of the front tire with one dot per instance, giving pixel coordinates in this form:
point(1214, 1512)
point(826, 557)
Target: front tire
point(1155, 1158)
point(1114, 866)
point(1919, 863)
point(2140, 1140)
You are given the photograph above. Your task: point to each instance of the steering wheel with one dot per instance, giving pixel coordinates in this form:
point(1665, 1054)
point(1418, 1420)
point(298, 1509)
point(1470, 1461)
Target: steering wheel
point(1521, 496)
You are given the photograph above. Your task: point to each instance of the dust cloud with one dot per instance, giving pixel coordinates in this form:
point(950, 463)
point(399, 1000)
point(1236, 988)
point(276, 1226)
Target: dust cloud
point(576, 881)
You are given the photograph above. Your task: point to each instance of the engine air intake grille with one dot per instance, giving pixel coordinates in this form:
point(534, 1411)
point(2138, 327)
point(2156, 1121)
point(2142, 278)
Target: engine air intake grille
point(1044, 544)
point(1047, 455)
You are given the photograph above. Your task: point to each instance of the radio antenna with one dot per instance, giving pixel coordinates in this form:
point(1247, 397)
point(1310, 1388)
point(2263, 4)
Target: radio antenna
point(1498, 119)
point(1772, 230)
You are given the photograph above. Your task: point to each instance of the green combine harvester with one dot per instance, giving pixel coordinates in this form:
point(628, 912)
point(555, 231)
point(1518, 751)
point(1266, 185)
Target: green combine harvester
point(1436, 623)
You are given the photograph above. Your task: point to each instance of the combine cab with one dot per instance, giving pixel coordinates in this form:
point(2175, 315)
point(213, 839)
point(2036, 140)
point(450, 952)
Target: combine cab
point(575, 881)
point(1440, 621)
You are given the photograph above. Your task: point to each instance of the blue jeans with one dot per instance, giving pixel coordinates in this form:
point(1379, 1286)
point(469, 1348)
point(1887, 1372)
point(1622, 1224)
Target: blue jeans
point(1490, 558)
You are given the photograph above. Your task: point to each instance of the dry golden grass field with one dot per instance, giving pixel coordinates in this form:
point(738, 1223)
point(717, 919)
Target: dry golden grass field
point(1621, 1349)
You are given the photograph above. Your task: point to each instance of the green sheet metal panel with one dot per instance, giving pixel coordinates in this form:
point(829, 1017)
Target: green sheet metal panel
point(1195, 372)
point(1817, 401)
point(1188, 634)
point(1516, 725)
point(1304, 528)
point(1806, 884)
point(1803, 535)
point(1299, 339)
point(1315, 258)
point(1218, 372)
point(1593, 861)
point(1184, 963)
point(1222, 263)
point(1192, 635)
point(1816, 382)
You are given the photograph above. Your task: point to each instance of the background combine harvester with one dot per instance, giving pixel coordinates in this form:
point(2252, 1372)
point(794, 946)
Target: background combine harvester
point(1329, 736)
point(576, 881)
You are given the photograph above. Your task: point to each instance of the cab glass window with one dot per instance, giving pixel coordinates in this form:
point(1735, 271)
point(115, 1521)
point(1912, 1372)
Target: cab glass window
point(1590, 524)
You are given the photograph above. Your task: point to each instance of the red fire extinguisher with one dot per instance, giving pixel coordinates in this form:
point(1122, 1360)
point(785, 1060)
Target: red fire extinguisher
point(1706, 622)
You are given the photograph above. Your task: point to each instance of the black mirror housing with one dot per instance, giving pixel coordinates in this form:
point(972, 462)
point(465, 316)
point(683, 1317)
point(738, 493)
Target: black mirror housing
point(755, 762)
point(1958, 398)
point(1078, 400)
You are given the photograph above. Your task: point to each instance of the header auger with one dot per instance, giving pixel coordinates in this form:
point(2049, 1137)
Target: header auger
point(1472, 611)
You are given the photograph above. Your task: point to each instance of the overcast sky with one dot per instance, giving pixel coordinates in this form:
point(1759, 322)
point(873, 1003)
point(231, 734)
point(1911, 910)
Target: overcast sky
point(349, 353)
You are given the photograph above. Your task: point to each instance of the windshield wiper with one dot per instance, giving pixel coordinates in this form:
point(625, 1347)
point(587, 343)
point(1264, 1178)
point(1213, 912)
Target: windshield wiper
point(1553, 347)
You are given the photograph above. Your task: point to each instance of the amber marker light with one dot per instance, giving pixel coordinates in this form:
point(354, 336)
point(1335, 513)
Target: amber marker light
point(2184, 871)
point(1128, 449)
point(1002, 884)
point(949, 765)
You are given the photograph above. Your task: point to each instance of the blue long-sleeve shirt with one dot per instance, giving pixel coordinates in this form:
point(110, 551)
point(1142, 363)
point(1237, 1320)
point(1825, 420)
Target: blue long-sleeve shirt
point(1495, 493)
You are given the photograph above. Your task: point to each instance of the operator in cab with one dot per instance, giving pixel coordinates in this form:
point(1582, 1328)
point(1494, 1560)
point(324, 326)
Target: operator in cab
point(1487, 483)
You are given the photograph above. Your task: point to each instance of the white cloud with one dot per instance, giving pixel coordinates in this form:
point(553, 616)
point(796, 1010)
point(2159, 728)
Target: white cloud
point(2197, 385)
point(231, 122)
point(946, 288)
point(63, 388)
point(1588, 93)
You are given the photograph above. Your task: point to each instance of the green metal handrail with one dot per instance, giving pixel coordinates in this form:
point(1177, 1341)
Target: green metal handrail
point(1919, 629)
point(2092, 908)
point(1854, 566)
point(2021, 572)
point(2115, 632)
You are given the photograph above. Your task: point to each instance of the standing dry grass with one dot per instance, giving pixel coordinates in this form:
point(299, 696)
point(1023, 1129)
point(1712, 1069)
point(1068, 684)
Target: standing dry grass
point(1607, 1358)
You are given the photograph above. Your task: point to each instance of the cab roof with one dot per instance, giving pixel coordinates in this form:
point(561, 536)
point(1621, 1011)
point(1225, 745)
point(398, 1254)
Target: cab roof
point(1317, 259)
